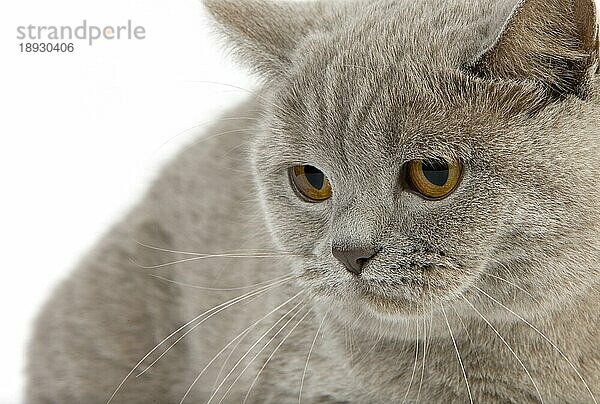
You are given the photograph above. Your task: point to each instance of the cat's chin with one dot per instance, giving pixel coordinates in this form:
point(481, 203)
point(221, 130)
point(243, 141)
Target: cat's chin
point(365, 303)
point(393, 310)
point(382, 306)
point(377, 316)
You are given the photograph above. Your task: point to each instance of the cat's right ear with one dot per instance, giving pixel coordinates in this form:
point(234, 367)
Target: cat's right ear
point(551, 42)
point(264, 34)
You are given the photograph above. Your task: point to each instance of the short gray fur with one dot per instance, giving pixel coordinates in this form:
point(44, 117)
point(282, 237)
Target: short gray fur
point(357, 89)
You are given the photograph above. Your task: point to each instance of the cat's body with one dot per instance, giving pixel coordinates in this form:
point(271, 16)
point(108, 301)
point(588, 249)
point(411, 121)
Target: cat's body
point(112, 312)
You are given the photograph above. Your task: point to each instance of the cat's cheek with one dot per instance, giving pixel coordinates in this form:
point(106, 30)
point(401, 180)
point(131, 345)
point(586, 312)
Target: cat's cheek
point(299, 226)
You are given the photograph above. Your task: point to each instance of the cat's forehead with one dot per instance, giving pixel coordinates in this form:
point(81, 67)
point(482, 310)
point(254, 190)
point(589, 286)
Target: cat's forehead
point(391, 82)
point(400, 110)
point(383, 76)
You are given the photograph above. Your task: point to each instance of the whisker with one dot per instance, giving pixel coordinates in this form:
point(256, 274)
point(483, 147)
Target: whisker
point(464, 326)
point(189, 285)
point(188, 391)
point(541, 334)
point(182, 261)
point(234, 300)
point(225, 362)
point(264, 99)
point(242, 144)
point(366, 355)
point(458, 355)
point(412, 376)
point(205, 123)
point(308, 356)
point(185, 334)
point(507, 345)
point(425, 348)
point(238, 337)
point(152, 247)
point(256, 355)
point(269, 358)
point(213, 136)
point(508, 271)
point(512, 284)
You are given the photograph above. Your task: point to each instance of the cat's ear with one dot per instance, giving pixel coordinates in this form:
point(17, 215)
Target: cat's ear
point(264, 34)
point(553, 42)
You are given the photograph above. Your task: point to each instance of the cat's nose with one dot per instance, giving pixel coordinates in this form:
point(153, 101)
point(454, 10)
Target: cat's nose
point(353, 258)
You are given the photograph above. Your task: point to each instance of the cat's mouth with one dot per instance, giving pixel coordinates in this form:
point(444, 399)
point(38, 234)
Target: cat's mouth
point(409, 290)
point(391, 291)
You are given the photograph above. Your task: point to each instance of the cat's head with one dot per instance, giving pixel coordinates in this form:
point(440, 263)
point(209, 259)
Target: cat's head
point(416, 154)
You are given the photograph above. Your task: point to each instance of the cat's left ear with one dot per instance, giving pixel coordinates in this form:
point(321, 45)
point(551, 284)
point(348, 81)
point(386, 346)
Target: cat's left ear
point(264, 34)
point(553, 42)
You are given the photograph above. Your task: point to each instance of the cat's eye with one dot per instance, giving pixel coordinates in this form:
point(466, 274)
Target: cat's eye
point(435, 178)
point(310, 183)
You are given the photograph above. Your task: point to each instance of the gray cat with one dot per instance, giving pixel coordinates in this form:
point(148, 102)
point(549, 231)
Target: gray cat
point(408, 210)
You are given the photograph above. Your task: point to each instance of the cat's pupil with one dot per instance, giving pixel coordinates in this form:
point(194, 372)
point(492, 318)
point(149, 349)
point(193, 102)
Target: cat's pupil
point(436, 172)
point(314, 176)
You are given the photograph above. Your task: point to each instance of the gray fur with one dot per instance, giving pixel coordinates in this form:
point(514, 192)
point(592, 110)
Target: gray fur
point(358, 89)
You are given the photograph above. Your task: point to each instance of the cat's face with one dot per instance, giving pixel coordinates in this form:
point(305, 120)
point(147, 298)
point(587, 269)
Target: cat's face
point(518, 219)
point(521, 202)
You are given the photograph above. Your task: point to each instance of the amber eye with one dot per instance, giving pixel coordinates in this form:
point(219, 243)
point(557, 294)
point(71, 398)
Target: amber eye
point(435, 178)
point(310, 183)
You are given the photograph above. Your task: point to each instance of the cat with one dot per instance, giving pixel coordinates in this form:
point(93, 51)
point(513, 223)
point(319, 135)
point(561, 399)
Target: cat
point(406, 210)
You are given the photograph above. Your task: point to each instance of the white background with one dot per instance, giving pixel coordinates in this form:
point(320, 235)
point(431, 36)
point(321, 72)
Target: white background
point(83, 134)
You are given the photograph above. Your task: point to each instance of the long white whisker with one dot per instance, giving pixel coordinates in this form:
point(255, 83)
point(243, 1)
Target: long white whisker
point(235, 300)
point(212, 136)
point(412, 376)
point(239, 336)
point(205, 123)
point(241, 89)
point(541, 334)
point(512, 284)
point(425, 348)
point(458, 355)
point(464, 326)
point(188, 391)
point(166, 264)
point(507, 345)
point(225, 362)
point(189, 285)
point(308, 356)
point(186, 333)
point(254, 357)
point(240, 251)
point(271, 356)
